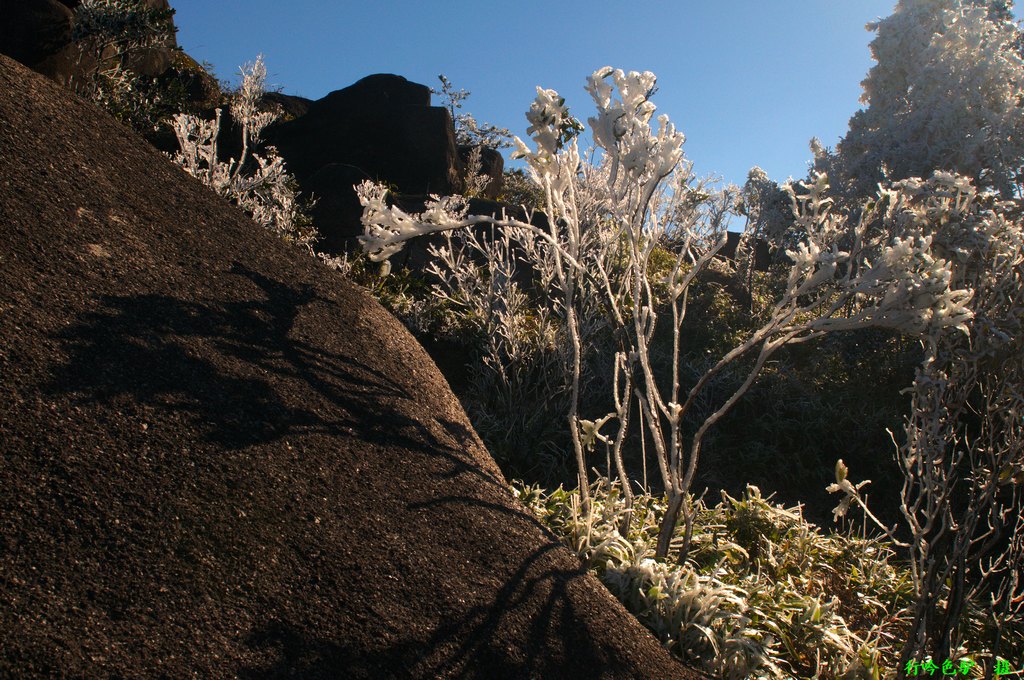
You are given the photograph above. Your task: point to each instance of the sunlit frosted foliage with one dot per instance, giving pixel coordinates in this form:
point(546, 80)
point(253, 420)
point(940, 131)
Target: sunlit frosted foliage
point(607, 218)
point(765, 593)
point(945, 94)
point(256, 182)
point(962, 448)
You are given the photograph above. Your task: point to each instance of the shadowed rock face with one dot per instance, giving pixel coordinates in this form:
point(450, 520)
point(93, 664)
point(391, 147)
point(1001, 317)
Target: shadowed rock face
point(34, 30)
point(382, 124)
point(381, 128)
point(38, 34)
point(220, 459)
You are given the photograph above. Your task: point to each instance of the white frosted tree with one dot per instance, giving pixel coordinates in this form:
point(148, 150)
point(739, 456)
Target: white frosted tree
point(961, 450)
point(945, 94)
point(844, 274)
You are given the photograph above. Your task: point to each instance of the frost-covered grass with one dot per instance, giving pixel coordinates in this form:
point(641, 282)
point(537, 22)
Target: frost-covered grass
point(763, 592)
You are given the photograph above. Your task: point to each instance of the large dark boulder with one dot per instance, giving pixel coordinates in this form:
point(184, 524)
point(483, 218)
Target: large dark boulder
point(336, 210)
point(32, 31)
point(383, 125)
point(381, 128)
point(38, 33)
point(290, 106)
point(220, 459)
point(378, 92)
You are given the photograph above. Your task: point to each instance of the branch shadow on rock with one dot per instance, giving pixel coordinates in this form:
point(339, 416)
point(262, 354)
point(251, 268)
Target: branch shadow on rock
point(239, 376)
point(487, 640)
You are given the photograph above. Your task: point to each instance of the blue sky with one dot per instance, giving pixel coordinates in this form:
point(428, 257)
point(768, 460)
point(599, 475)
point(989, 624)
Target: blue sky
point(749, 82)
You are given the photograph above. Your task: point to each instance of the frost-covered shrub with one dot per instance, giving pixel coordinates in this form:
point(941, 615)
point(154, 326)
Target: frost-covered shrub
point(768, 209)
point(962, 447)
point(517, 189)
point(946, 93)
point(119, 27)
point(764, 593)
point(115, 32)
point(469, 132)
point(606, 219)
point(110, 35)
point(518, 379)
point(257, 181)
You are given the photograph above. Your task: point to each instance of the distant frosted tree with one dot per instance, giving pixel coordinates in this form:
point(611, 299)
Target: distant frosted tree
point(768, 209)
point(946, 94)
point(469, 132)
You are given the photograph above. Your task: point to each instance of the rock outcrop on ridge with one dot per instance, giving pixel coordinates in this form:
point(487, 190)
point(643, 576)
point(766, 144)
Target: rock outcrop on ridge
point(381, 128)
point(220, 459)
point(39, 33)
